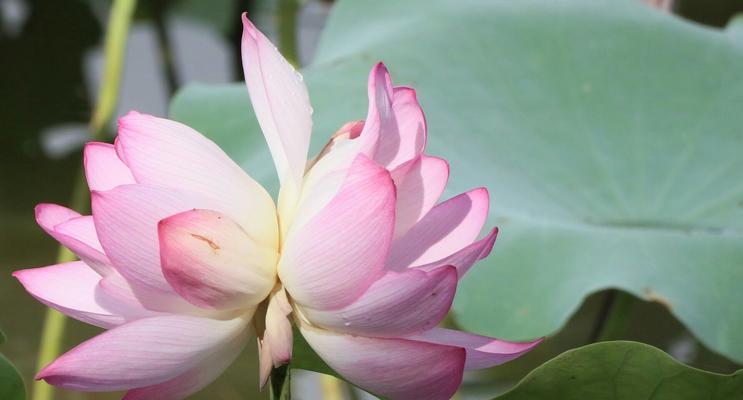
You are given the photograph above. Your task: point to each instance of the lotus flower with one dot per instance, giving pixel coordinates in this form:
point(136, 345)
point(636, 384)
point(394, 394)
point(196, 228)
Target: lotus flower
point(185, 254)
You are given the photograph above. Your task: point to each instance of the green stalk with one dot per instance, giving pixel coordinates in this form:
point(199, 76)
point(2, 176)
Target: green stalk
point(286, 19)
point(113, 52)
point(280, 385)
point(120, 18)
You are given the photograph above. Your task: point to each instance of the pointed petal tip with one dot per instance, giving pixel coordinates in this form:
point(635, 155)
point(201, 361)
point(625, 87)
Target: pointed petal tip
point(248, 26)
point(535, 342)
point(480, 198)
point(49, 215)
point(42, 208)
point(380, 75)
point(380, 67)
point(39, 209)
point(131, 114)
point(91, 146)
point(46, 372)
point(520, 347)
point(492, 236)
point(406, 93)
point(481, 191)
point(441, 160)
point(22, 275)
point(517, 349)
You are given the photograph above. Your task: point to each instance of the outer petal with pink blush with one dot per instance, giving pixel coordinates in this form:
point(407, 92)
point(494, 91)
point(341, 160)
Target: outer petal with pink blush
point(212, 262)
point(76, 232)
point(142, 353)
point(72, 289)
point(395, 128)
point(380, 117)
point(275, 345)
point(103, 168)
point(447, 228)
point(336, 256)
point(420, 183)
point(482, 351)
point(397, 304)
point(464, 259)
point(323, 181)
point(404, 137)
point(126, 220)
point(165, 153)
point(281, 104)
point(392, 368)
point(196, 378)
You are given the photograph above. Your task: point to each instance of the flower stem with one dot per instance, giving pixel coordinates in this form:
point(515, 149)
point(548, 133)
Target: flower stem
point(120, 17)
point(113, 52)
point(286, 19)
point(280, 387)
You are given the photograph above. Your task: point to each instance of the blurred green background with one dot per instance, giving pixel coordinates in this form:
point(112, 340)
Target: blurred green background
point(49, 74)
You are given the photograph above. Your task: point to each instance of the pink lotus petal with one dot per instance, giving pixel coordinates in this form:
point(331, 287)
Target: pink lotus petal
point(81, 229)
point(447, 228)
point(50, 215)
point(280, 102)
point(103, 168)
point(76, 232)
point(275, 348)
point(126, 219)
point(380, 117)
point(169, 154)
point(212, 262)
point(142, 353)
point(482, 351)
point(336, 256)
point(323, 181)
point(117, 287)
point(404, 137)
point(196, 378)
point(391, 368)
point(279, 328)
point(72, 289)
point(464, 259)
point(420, 183)
point(265, 363)
point(79, 235)
point(398, 304)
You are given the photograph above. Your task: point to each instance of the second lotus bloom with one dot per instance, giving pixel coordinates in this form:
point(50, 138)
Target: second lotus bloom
point(184, 250)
